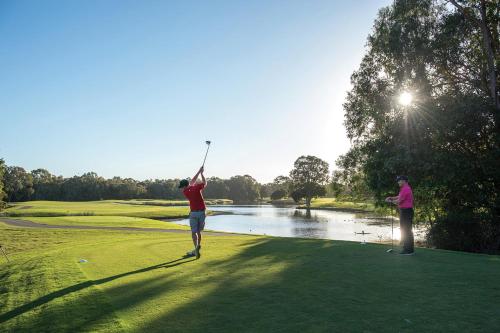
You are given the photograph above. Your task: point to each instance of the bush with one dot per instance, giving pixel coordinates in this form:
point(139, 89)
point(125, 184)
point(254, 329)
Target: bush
point(466, 232)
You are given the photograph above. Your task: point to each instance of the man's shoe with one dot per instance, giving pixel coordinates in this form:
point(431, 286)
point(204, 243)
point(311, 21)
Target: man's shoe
point(404, 253)
point(190, 253)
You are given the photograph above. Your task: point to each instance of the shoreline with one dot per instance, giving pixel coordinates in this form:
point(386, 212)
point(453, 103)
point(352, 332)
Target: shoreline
point(339, 209)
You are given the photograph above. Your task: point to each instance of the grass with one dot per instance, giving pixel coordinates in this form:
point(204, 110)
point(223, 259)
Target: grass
point(325, 203)
point(155, 202)
point(90, 208)
point(106, 221)
point(135, 282)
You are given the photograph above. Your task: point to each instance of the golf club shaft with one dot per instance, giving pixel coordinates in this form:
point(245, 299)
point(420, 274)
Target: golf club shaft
point(392, 229)
point(5, 254)
point(208, 147)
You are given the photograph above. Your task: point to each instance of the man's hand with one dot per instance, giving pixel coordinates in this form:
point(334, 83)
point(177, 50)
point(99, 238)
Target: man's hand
point(202, 169)
point(388, 199)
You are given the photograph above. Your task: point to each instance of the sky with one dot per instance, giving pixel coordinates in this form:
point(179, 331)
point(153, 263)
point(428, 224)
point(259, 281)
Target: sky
point(134, 88)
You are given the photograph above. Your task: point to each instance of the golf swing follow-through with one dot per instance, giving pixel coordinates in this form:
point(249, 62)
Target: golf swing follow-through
point(192, 191)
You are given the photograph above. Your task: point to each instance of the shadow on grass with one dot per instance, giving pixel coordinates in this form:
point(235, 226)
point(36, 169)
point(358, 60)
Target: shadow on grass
point(296, 285)
point(78, 287)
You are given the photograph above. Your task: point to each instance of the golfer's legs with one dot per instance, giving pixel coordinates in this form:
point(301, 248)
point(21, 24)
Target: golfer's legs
point(194, 235)
point(406, 221)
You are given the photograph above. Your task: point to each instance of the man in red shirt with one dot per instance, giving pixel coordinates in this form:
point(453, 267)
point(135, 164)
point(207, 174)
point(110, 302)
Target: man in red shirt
point(405, 203)
point(192, 191)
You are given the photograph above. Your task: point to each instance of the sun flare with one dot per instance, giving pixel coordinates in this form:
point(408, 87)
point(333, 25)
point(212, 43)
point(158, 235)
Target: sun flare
point(405, 98)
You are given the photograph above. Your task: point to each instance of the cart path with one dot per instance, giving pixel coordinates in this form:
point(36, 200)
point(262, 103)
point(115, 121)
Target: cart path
point(29, 224)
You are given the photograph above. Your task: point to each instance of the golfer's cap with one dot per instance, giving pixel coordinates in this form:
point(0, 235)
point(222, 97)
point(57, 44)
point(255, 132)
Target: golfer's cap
point(183, 183)
point(402, 178)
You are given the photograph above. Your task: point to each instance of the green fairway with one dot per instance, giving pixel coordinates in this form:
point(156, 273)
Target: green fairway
point(105, 221)
point(135, 282)
point(102, 208)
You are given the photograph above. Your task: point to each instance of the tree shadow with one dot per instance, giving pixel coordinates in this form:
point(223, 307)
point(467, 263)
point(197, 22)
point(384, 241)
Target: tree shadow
point(80, 286)
point(283, 285)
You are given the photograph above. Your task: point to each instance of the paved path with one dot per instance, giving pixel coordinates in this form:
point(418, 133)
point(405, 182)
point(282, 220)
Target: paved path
point(29, 224)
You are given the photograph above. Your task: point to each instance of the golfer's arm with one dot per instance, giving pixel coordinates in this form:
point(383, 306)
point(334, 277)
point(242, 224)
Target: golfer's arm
point(193, 180)
point(203, 179)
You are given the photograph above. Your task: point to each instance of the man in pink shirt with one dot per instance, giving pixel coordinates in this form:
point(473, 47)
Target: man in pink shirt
point(405, 203)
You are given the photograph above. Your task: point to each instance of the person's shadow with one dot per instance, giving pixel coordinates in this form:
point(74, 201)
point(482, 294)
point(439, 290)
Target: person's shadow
point(68, 290)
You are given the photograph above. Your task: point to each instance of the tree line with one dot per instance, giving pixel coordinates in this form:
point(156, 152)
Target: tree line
point(307, 180)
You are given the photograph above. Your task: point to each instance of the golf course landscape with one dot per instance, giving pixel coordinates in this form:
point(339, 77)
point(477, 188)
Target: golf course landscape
point(138, 280)
point(234, 166)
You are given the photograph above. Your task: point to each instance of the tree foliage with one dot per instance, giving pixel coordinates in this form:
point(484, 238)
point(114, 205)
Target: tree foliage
point(308, 178)
point(18, 184)
point(447, 141)
point(243, 189)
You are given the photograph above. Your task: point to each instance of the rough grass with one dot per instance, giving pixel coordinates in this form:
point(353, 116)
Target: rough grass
point(136, 282)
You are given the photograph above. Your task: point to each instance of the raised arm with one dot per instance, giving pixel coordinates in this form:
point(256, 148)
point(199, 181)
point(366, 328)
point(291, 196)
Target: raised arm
point(203, 177)
point(193, 180)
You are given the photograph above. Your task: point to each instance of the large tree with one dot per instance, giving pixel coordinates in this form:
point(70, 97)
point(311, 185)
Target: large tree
point(216, 189)
point(446, 141)
point(309, 178)
point(243, 189)
point(18, 184)
point(46, 186)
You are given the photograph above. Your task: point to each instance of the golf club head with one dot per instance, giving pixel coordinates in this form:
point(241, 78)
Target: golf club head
point(208, 142)
point(389, 251)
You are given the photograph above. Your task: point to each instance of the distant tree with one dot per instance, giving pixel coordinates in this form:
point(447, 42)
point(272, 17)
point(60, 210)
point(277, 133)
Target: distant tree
point(18, 184)
point(128, 188)
point(297, 195)
point(86, 187)
point(278, 194)
point(216, 189)
point(266, 190)
point(163, 189)
point(243, 189)
point(283, 183)
point(46, 186)
point(309, 177)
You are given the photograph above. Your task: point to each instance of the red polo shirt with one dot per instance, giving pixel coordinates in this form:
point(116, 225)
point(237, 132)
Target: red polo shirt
point(193, 194)
point(405, 197)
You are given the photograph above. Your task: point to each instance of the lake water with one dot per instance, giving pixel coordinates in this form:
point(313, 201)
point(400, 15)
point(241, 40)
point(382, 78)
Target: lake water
point(291, 222)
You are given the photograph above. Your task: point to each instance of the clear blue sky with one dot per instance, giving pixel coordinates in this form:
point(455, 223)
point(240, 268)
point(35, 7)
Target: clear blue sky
point(134, 88)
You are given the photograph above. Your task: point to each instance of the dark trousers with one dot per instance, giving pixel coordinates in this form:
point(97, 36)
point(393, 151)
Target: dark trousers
point(405, 224)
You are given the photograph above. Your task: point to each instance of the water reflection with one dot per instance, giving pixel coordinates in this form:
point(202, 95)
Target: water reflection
point(291, 222)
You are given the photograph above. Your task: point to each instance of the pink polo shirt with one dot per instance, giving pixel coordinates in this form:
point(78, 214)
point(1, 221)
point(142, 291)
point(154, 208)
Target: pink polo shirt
point(405, 197)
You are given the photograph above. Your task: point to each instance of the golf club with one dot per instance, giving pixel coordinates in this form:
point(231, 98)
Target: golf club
point(5, 254)
point(392, 231)
point(208, 147)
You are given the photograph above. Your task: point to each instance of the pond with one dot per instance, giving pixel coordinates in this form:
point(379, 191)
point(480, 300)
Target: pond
point(292, 222)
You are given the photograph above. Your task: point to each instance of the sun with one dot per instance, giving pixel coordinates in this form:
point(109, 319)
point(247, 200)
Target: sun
point(405, 98)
